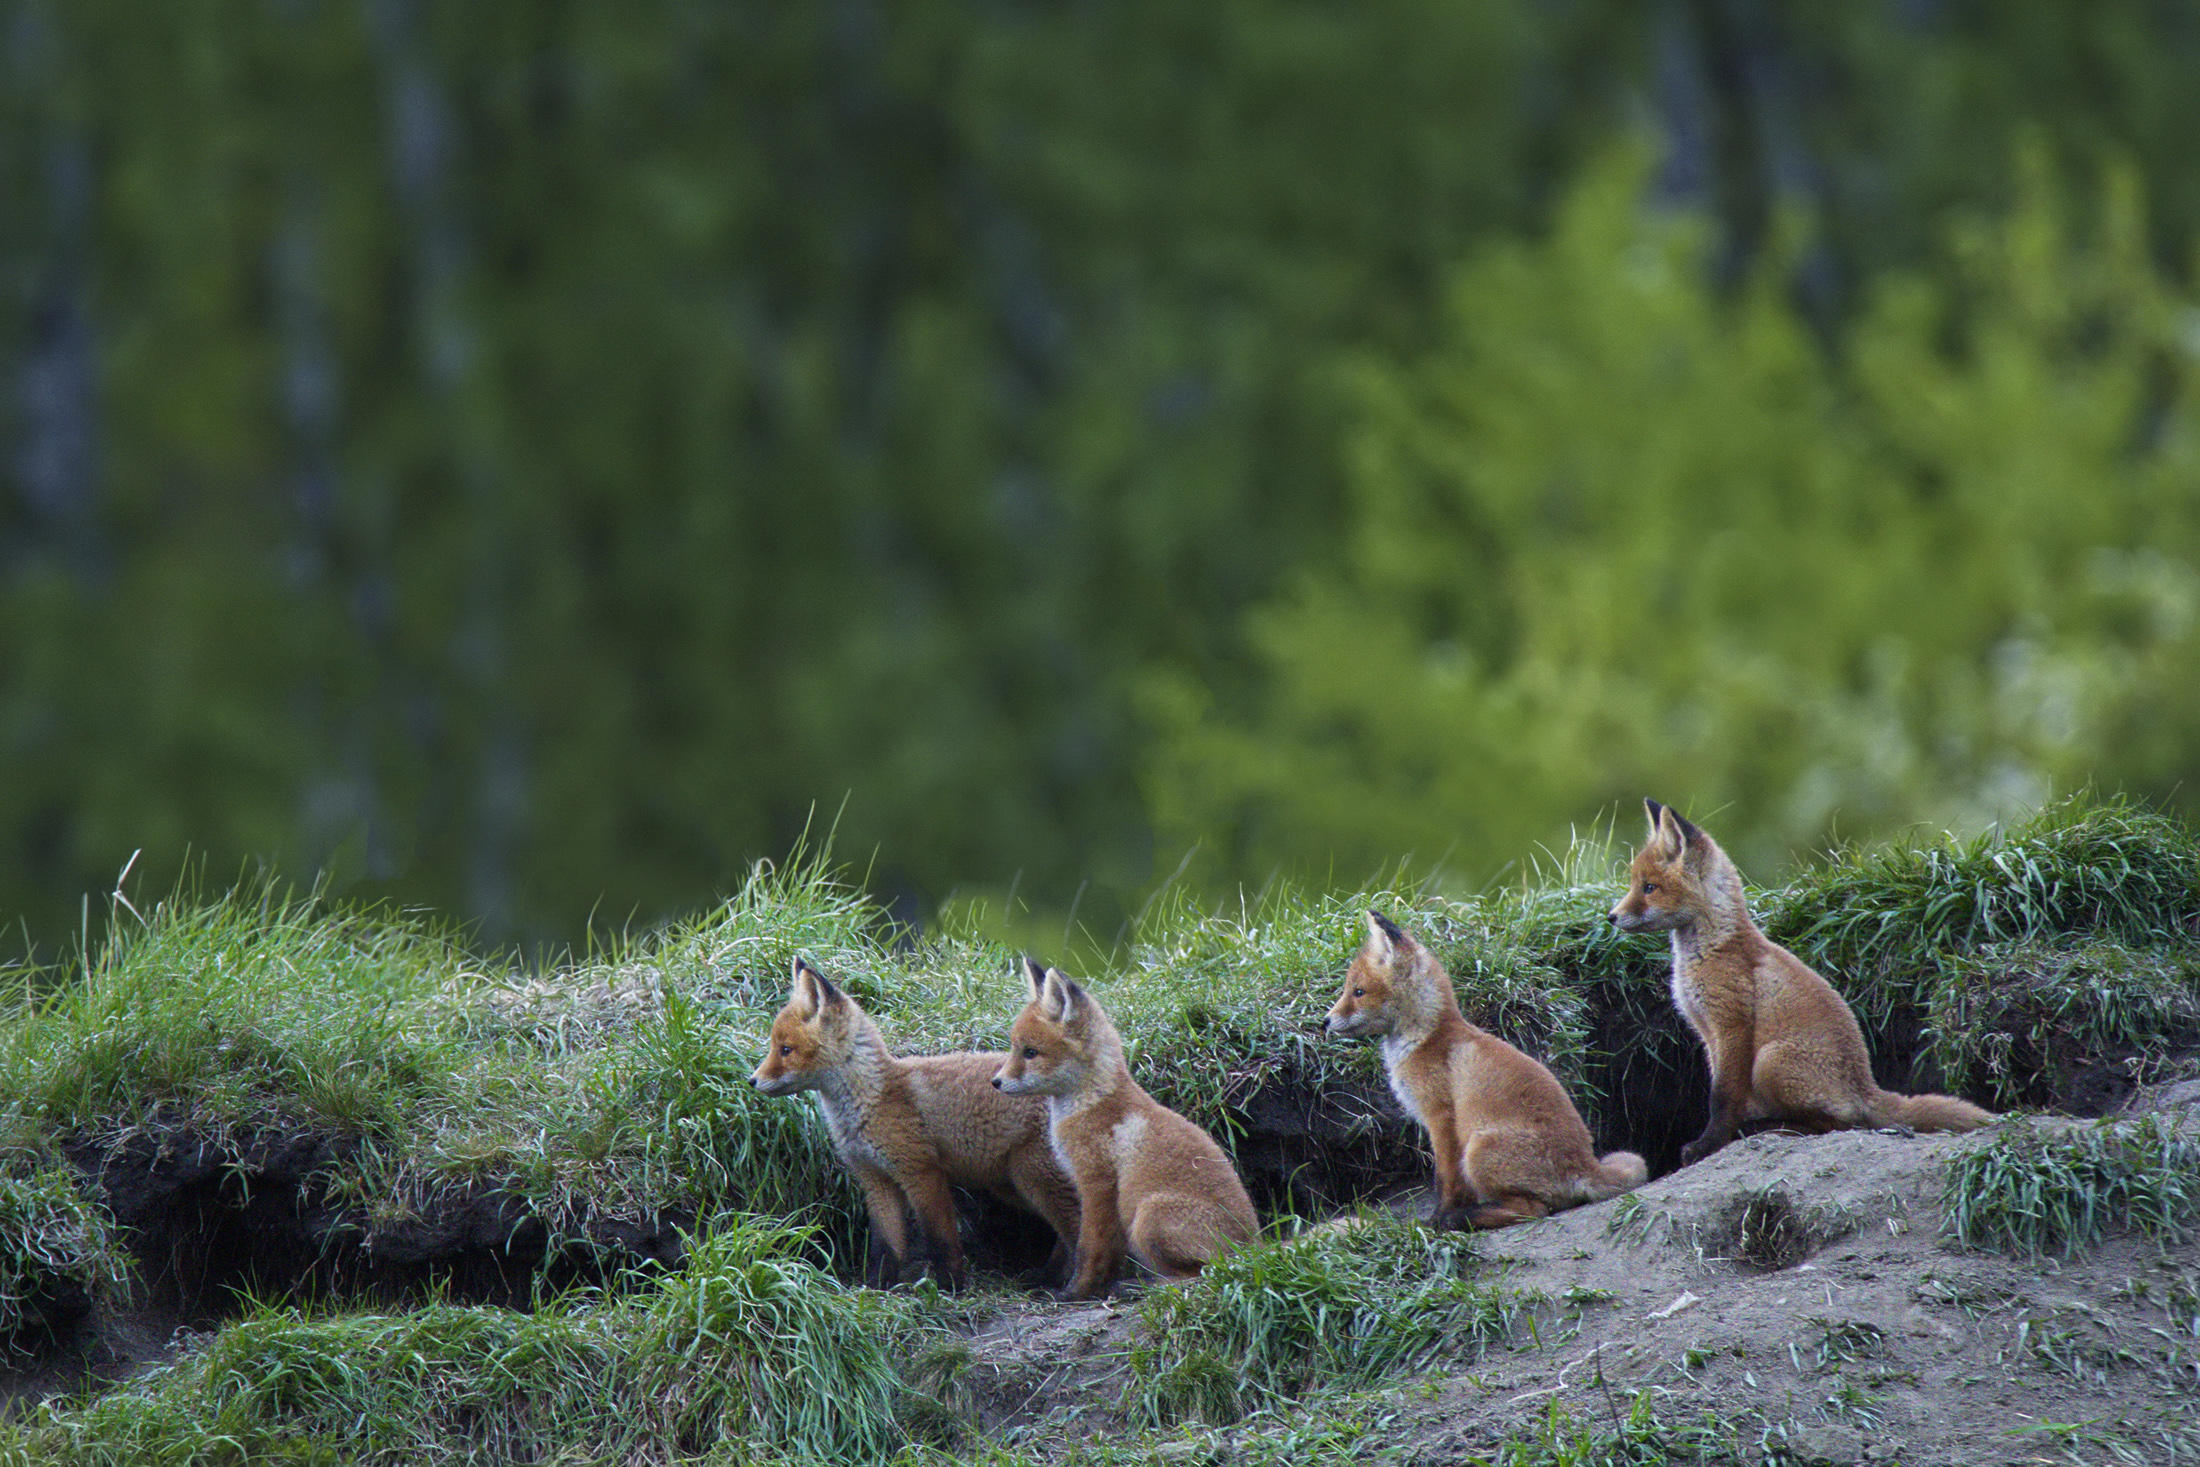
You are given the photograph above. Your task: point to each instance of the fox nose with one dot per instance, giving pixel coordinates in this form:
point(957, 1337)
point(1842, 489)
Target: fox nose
point(1612, 917)
point(996, 1082)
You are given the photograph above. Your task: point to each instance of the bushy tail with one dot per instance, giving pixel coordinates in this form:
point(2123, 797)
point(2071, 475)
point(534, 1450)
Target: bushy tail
point(1927, 1112)
point(1615, 1173)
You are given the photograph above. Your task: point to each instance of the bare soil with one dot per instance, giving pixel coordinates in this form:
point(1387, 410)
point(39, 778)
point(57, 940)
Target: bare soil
point(1798, 1290)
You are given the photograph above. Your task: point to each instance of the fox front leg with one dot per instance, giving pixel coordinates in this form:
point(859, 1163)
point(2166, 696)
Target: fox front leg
point(1099, 1253)
point(1729, 1102)
point(1456, 1198)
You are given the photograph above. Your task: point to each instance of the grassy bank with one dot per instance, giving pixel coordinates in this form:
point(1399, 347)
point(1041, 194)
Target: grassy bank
point(614, 1087)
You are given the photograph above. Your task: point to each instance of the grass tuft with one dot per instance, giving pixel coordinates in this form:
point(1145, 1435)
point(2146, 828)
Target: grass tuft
point(1888, 919)
point(1639, 1437)
point(748, 1347)
point(2034, 1189)
point(1336, 1309)
point(58, 1251)
point(2014, 1022)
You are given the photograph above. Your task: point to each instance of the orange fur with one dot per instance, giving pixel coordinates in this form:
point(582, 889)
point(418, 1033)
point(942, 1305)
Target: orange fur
point(1509, 1144)
point(1147, 1179)
point(1781, 1043)
point(908, 1128)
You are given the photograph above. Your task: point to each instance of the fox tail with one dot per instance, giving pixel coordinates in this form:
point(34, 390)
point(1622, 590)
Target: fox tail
point(1927, 1112)
point(1615, 1173)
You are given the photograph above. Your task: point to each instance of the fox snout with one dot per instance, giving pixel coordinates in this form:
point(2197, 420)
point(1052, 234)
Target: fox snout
point(1642, 919)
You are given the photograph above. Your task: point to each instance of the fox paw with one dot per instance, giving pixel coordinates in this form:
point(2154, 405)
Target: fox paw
point(1458, 1218)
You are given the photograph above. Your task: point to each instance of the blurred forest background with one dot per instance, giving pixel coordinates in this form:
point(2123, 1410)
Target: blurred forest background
point(531, 459)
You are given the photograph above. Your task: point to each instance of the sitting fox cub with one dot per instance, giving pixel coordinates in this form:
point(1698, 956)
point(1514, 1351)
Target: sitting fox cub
point(1146, 1177)
point(1509, 1145)
point(906, 1128)
point(1781, 1043)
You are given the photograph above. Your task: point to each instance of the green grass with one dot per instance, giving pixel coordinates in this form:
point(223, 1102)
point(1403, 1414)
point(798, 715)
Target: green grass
point(748, 1347)
point(57, 1248)
point(616, 1085)
point(2012, 1022)
point(1887, 920)
point(1334, 1310)
point(1632, 1434)
point(2035, 1189)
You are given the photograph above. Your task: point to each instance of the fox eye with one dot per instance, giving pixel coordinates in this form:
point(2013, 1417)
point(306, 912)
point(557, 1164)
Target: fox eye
point(786, 1049)
point(1649, 887)
point(1359, 993)
point(1030, 1053)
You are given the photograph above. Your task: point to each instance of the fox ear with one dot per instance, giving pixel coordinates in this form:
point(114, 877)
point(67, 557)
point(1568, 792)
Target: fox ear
point(1653, 809)
point(1062, 997)
point(1037, 976)
point(813, 990)
point(1672, 834)
point(1385, 937)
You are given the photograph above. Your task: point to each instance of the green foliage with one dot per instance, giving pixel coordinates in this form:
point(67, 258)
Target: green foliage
point(2034, 1189)
point(527, 462)
point(1341, 1307)
point(537, 456)
point(747, 1347)
point(1931, 577)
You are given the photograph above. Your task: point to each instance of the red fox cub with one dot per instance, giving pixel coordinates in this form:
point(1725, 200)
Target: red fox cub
point(1509, 1145)
point(1145, 1175)
point(907, 1128)
point(1781, 1043)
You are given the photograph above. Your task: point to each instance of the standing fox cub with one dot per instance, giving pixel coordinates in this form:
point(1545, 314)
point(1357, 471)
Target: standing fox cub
point(907, 1128)
point(1781, 1043)
point(1509, 1145)
point(1146, 1176)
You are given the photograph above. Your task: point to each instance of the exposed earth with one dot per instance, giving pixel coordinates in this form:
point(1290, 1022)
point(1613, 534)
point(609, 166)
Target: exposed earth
point(1798, 1290)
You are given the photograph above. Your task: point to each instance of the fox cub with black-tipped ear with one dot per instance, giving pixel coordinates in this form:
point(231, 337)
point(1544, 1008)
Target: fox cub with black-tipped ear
point(1781, 1043)
point(907, 1128)
point(1509, 1144)
point(1147, 1178)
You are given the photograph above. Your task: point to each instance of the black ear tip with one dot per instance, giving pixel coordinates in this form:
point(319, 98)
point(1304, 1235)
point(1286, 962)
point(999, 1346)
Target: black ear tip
point(1389, 928)
point(1652, 806)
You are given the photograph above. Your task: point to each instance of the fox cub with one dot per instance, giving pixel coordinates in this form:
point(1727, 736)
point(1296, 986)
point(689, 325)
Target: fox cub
point(1509, 1145)
point(1781, 1043)
point(1146, 1176)
point(907, 1128)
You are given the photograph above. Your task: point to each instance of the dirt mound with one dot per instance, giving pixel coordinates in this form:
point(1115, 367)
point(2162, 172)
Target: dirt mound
point(1799, 1291)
